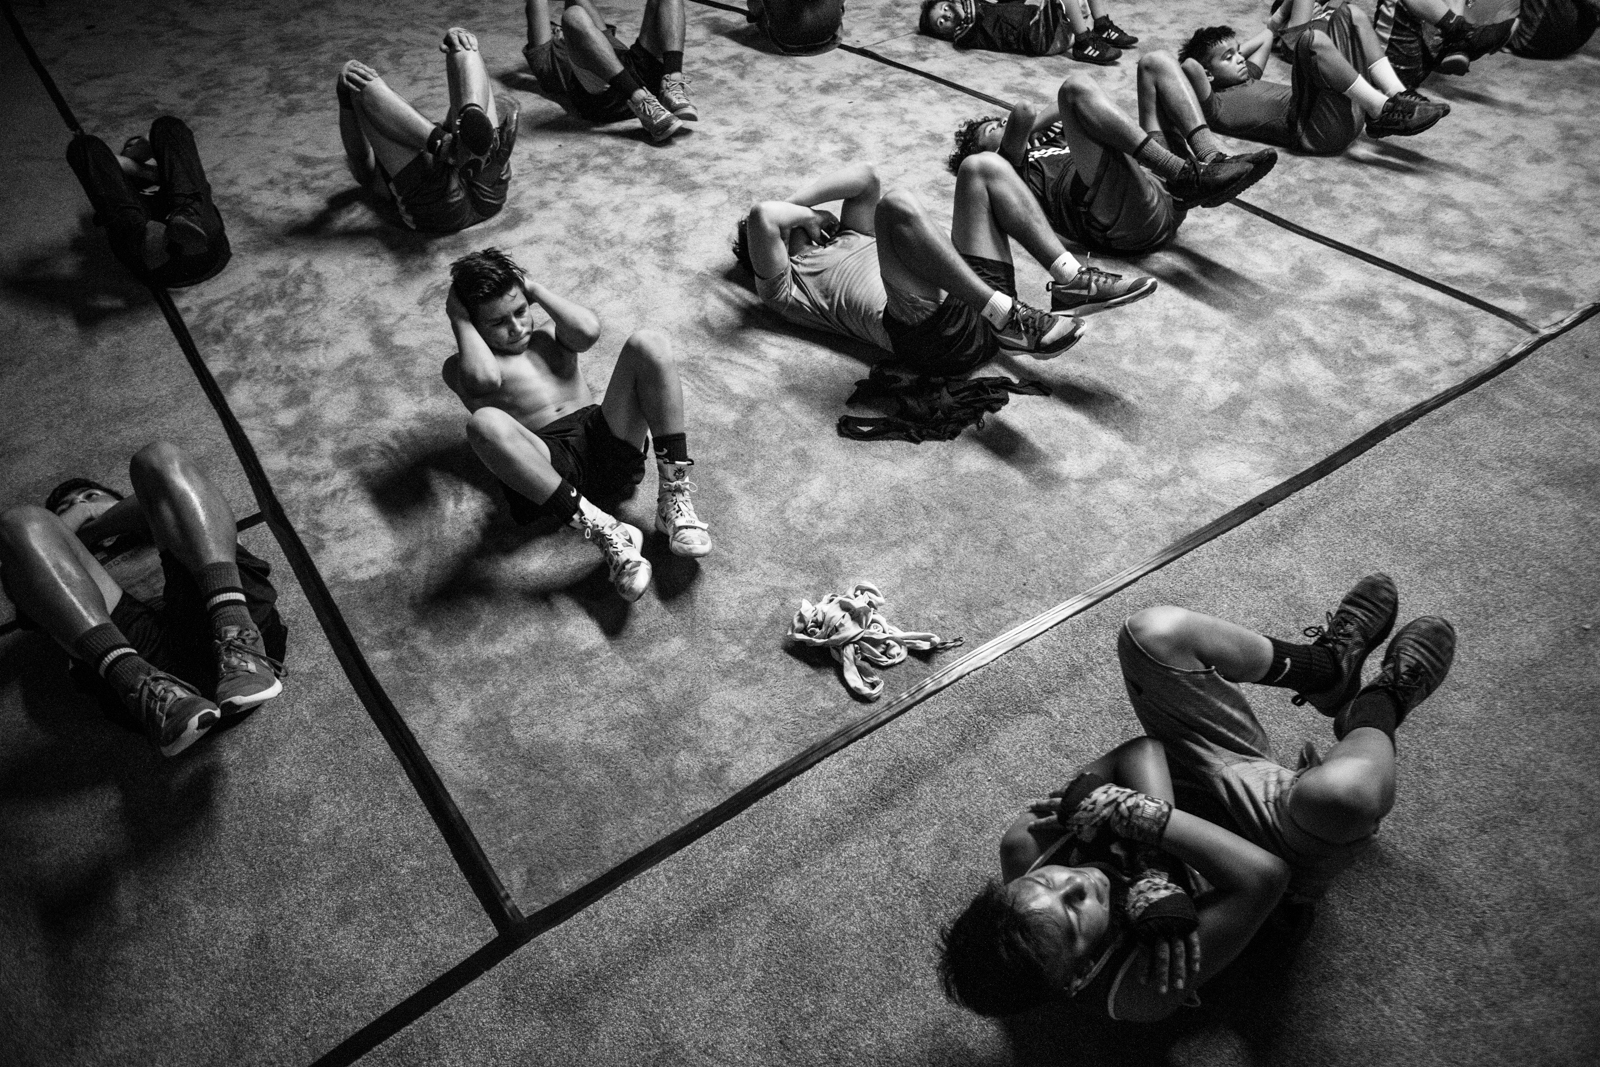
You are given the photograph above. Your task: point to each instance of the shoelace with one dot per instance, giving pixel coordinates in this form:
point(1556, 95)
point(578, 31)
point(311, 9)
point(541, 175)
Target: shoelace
point(680, 509)
point(614, 542)
point(1033, 322)
point(235, 653)
point(157, 693)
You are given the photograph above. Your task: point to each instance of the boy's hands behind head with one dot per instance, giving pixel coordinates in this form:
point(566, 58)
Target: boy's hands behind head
point(454, 309)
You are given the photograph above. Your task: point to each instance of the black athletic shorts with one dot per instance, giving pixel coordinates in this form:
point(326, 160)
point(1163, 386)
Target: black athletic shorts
point(553, 70)
point(954, 339)
point(173, 632)
point(433, 196)
point(585, 452)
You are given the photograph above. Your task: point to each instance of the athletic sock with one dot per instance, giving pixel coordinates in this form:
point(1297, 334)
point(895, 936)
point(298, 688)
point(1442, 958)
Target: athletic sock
point(224, 592)
point(997, 312)
point(1205, 143)
point(625, 83)
point(1303, 668)
point(1381, 74)
point(1376, 708)
point(562, 505)
point(672, 448)
point(1160, 161)
point(671, 62)
point(1101, 22)
point(106, 650)
point(1065, 268)
point(1452, 25)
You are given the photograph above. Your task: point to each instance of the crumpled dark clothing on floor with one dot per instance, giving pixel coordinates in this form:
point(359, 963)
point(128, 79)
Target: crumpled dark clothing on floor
point(928, 409)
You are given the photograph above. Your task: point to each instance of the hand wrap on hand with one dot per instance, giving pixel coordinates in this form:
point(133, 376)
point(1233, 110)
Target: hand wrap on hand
point(1159, 909)
point(1091, 804)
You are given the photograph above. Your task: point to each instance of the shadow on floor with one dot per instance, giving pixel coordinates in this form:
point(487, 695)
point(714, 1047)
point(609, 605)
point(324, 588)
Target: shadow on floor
point(84, 278)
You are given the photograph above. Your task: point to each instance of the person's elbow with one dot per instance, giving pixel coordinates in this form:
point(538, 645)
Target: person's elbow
point(581, 332)
point(1268, 878)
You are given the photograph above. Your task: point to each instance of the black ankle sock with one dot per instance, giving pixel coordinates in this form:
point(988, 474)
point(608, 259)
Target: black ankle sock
point(624, 83)
point(563, 503)
point(672, 62)
point(1101, 22)
point(672, 448)
point(1372, 707)
point(106, 650)
point(1452, 25)
point(1303, 668)
point(219, 583)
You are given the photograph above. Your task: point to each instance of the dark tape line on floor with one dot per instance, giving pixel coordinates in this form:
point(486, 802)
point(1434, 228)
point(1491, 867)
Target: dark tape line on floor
point(1261, 213)
point(462, 842)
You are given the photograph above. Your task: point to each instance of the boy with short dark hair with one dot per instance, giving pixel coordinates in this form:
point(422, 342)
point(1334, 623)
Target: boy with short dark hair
point(1340, 81)
point(1081, 158)
point(603, 80)
point(1066, 922)
point(536, 426)
point(1020, 28)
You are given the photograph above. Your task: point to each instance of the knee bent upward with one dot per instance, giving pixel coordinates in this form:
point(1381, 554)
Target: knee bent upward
point(1160, 631)
point(158, 459)
point(899, 207)
point(1159, 60)
point(982, 167)
point(1343, 800)
point(650, 344)
point(21, 525)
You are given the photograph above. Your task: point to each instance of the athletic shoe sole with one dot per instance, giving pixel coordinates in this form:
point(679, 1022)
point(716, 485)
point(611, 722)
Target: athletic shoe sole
point(1097, 306)
point(1060, 346)
point(235, 705)
point(193, 730)
point(686, 551)
point(1245, 181)
point(1455, 64)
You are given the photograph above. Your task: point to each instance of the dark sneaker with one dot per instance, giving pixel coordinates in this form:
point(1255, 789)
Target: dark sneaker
point(1414, 665)
point(1039, 333)
point(1487, 40)
point(1406, 118)
point(1217, 181)
point(1360, 623)
point(475, 130)
point(1453, 61)
point(193, 224)
point(657, 121)
point(674, 96)
point(173, 714)
point(1093, 290)
point(246, 675)
point(1088, 48)
point(1112, 34)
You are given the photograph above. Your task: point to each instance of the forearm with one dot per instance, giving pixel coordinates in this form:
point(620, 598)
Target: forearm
point(577, 327)
point(124, 517)
point(1258, 49)
point(1230, 863)
point(851, 182)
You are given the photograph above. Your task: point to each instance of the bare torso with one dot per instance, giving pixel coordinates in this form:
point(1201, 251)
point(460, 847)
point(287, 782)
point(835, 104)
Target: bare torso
point(537, 387)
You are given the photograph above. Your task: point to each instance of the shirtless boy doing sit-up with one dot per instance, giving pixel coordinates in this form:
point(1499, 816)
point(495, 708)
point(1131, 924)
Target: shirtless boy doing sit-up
point(536, 426)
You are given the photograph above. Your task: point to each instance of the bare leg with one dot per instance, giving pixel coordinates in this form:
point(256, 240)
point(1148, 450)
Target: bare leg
point(1340, 800)
point(644, 394)
point(1079, 21)
point(992, 204)
point(906, 235)
point(392, 128)
point(1167, 103)
point(538, 15)
point(52, 576)
point(513, 452)
point(662, 28)
point(188, 517)
point(587, 44)
point(467, 76)
point(1093, 124)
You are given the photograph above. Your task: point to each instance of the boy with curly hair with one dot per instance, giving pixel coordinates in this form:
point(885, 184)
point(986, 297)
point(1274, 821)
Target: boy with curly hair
point(1103, 180)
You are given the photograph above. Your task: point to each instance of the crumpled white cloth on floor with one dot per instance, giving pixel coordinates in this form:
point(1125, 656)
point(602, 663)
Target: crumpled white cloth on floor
point(851, 626)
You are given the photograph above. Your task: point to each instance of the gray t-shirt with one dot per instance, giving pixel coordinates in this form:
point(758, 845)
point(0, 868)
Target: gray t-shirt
point(1256, 111)
point(834, 287)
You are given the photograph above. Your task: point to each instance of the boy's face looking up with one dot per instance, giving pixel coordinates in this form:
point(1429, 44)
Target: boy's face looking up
point(1226, 65)
point(943, 18)
point(1076, 902)
point(506, 322)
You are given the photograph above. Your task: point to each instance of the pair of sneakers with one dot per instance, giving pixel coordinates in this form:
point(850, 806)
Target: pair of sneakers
point(175, 715)
point(1406, 114)
point(664, 113)
point(1219, 179)
point(621, 543)
point(477, 138)
point(1414, 665)
point(1046, 334)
